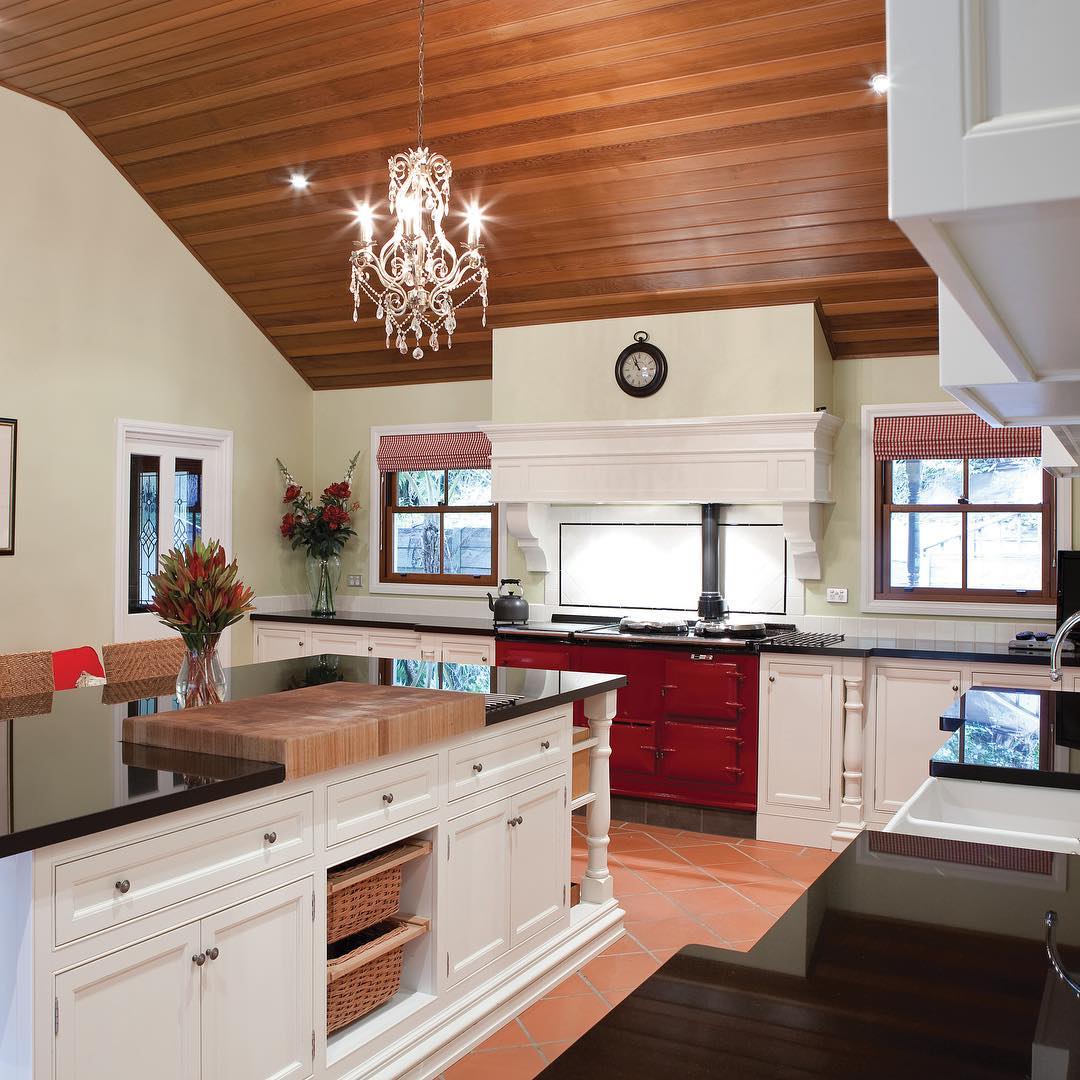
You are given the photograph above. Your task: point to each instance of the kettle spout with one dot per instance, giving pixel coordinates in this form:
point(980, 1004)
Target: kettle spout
point(491, 602)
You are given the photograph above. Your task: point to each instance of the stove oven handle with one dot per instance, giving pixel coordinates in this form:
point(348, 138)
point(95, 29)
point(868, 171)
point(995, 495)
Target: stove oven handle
point(665, 687)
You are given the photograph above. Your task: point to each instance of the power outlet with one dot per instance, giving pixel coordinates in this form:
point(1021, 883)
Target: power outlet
point(355, 581)
point(836, 596)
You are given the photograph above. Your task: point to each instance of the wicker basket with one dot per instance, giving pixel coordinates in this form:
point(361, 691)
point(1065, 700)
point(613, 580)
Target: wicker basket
point(364, 971)
point(367, 890)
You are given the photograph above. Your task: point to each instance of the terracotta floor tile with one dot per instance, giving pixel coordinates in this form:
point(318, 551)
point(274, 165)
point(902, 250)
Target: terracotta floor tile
point(663, 833)
point(552, 1050)
point(659, 858)
point(750, 874)
point(674, 879)
point(695, 839)
point(672, 933)
point(740, 925)
point(770, 848)
point(712, 900)
point(802, 868)
point(717, 855)
point(619, 972)
point(514, 1063)
point(624, 840)
point(627, 883)
point(574, 986)
point(769, 894)
point(613, 997)
point(511, 1034)
point(626, 944)
point(559, 1019)
point(663, 955)
point(648, 906)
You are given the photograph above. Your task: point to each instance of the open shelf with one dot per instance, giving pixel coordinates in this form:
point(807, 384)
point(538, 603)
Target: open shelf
point(583, 800)
point(399, 1008)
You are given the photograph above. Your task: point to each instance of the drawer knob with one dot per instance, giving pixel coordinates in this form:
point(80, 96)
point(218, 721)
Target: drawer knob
point(199, 959)
point(484, 659)
point(270, 837)
point(478, 767)
point(371, 648)
point(520, 819)
point(213, 954)
point(388, 798)
point(514, 822)
point(772, 678)
point(546, 744)
point(123, 886)
point(955, 688)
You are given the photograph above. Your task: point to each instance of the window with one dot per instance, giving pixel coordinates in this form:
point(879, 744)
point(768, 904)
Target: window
point(439, 521)
point(965, 512)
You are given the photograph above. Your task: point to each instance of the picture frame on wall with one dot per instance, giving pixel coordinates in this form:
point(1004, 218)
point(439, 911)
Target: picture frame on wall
point(8, 436)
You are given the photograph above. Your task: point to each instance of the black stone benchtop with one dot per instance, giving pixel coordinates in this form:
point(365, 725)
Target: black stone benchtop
point(907, 958)
point(422, 624)
point(928, 649)
point(1010, 736)
point(66, 774)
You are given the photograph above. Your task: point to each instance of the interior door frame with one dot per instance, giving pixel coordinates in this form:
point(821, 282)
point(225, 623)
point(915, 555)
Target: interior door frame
point(182, 437)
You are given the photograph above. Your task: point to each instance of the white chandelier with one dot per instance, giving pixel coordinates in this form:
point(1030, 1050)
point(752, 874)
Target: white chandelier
point(413, 277)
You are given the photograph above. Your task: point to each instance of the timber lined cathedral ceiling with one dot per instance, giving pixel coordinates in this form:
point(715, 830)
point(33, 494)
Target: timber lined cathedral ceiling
point(631, 156)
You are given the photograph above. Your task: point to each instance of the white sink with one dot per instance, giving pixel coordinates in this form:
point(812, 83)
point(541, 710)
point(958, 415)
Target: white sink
point(1009, 815)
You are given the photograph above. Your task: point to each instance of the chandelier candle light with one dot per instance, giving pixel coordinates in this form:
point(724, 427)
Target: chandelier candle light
point(413, 277)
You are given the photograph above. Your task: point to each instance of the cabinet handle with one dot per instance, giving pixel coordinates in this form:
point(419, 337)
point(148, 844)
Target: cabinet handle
point(213, 954)
point(388, 798)
point(270, 837)
point(546, 744)
point(772, 678)
point(199, 959)
point(123, 886)
point(478, 767)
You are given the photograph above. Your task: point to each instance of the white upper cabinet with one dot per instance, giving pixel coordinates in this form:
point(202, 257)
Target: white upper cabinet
point(984, 177)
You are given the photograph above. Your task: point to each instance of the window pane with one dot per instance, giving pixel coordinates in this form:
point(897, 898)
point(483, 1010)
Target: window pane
point(930, 481)
point(925, 551)
point(468, 544)
point(1005, 480)
point(416, 543)
point(1005, 551)
point(470, 487)
point(142, 529)
point(187, 493)
point(420, 488)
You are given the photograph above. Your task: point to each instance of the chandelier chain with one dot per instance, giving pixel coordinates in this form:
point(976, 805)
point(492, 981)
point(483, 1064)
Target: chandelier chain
point(420, 80)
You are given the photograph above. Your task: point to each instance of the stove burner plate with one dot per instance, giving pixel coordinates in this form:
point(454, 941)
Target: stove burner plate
point(642, 626)
point(736, 631)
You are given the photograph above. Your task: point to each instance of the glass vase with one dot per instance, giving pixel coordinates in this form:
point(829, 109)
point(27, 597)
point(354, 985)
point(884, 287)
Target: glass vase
point(323, 575)
point(202, 679)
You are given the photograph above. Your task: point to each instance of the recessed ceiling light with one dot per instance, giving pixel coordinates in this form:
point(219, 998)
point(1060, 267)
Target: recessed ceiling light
point(879, 83)
point(299, 181)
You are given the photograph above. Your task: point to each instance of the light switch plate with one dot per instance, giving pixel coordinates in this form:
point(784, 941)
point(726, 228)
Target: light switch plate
point(836, 596)
point(355, 581)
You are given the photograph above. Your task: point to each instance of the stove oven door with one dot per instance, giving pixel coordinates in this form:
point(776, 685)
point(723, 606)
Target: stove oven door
point(633, 752)
point(706, 686)
point(710, 754)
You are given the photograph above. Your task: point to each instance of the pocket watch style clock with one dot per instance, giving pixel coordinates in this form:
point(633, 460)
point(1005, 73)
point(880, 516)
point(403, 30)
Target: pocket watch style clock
point(641, 368)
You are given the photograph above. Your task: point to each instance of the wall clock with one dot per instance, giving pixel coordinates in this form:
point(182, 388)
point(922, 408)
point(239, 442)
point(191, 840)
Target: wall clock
point(641, 368)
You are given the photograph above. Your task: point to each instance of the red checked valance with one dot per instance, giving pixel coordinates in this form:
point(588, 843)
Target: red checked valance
point(950, 436)
point(440, 450)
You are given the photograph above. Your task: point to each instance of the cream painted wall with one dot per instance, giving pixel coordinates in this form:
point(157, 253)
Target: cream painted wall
point(721, 363)
point(104, 314)
point(343, 423)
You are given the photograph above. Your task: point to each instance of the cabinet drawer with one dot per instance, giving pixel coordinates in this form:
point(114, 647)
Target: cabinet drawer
point(104, 890)
point(482, 765)
point(357, 807)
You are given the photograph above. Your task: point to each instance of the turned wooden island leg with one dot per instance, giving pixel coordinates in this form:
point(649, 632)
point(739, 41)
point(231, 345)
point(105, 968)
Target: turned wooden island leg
point(598, 885)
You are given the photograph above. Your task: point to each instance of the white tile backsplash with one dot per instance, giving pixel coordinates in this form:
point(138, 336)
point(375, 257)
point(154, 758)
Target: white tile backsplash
point(962, 631)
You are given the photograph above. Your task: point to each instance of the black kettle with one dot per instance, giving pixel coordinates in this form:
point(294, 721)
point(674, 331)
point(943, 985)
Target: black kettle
point(509, 607)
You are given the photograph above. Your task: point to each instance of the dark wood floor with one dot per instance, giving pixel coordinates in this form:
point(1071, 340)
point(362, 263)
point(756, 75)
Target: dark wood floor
point(883, 1000)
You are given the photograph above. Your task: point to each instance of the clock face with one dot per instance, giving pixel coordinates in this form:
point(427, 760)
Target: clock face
point(638, 369)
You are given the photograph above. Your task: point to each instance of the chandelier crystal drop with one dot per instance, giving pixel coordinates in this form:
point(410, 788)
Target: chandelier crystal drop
point(414, 277)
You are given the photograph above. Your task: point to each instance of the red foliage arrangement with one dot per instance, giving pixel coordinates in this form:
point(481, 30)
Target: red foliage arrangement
point(324, 527)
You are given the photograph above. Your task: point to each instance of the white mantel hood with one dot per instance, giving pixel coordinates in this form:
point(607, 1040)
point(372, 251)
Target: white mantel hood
point(777, 459)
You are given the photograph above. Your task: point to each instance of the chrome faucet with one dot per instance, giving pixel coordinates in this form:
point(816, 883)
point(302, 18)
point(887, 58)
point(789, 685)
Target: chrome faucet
point(1055, 648)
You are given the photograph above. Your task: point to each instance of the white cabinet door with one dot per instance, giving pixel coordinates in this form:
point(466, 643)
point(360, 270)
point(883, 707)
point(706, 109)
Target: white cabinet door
point(539, 860)
point(132, 1014)
point(908, 704)
point(467, 650)
point(797, 724)
point(258, 992)
point(1019, 679)
point(395, 644)
point(277, 643)
point(340, 642)
point(476, 907)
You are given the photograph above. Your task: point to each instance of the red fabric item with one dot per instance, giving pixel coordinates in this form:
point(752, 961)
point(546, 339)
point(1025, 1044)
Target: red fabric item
point(445, 450)
point(950, 436)
point(69, 664)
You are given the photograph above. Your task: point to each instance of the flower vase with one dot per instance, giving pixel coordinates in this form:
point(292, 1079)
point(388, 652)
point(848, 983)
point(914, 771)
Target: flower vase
point(201, 680)
point(323, 575)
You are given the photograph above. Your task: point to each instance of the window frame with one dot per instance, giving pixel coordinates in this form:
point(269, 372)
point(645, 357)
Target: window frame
point(884, 590)
point(389, 508)
point(1023, 608)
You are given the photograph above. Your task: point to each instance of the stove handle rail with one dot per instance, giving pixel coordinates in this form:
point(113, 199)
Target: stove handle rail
point(1055, 957)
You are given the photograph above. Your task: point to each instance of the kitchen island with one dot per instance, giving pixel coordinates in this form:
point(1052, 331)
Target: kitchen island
point(164, 913)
